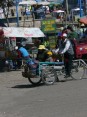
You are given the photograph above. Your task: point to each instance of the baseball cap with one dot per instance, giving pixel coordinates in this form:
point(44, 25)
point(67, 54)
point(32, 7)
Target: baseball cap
point(64, 35)
point(16, 47)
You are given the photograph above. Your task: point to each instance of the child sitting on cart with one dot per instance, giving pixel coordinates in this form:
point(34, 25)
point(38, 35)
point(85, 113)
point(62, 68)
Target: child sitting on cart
point(44, 54)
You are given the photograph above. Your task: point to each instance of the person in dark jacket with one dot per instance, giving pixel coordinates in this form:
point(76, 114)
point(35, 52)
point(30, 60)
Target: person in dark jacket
point(67, 50)
point(42, 53)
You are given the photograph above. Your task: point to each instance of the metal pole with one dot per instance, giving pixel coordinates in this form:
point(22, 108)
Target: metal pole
point(80, 8)
point(67, 7)
point(67, 12)
point(17, 13)
point(78, 2)
point(85, 7)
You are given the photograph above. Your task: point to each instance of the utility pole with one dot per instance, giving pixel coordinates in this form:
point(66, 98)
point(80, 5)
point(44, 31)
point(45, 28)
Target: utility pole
point(67, 10)
point(80, 4)
point(17, 4)
point(85, 7)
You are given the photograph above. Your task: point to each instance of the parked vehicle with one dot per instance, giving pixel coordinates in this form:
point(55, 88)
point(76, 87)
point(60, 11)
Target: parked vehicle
point(59, 14)
point(80, 48)
point(75, 13)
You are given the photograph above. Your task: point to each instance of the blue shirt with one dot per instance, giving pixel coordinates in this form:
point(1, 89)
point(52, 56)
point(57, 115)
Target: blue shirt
point(24, 52)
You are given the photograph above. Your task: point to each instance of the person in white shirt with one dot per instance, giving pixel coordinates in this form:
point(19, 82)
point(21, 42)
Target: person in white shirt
point(67, 50)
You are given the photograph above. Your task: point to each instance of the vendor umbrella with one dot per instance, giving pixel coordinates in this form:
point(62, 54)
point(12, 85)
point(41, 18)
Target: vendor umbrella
point(43, 3)
point(83, 20)
point(31, 2)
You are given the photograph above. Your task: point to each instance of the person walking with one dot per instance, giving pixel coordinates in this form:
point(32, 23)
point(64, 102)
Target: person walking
point(66, 49)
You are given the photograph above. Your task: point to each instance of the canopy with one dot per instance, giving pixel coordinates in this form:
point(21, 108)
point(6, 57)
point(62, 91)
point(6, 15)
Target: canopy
point(84, 20)
point(22, 32)
point(76, 9)
point(31, 2)
point(54, 3)
point(59, 11)
point(43, 3)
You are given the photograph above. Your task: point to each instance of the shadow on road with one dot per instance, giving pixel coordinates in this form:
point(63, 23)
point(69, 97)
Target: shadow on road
point(27, 86)
point(41, 84)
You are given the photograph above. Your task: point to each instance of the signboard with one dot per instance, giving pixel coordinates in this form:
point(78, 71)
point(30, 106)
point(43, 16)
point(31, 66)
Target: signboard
point(48, 26)
point(52, 41)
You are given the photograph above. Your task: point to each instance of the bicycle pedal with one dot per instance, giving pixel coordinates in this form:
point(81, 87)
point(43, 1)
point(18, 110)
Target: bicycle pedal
point(67, 76)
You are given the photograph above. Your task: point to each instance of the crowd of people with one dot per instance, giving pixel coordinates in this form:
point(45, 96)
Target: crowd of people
point(63, 51)
point(63, 47)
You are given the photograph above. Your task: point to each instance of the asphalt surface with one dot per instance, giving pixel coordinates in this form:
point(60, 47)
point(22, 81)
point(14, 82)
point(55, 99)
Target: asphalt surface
point(18, 98)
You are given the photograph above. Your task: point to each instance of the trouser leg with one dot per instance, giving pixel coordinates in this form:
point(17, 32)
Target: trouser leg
point(69, 67)
point(68, 63)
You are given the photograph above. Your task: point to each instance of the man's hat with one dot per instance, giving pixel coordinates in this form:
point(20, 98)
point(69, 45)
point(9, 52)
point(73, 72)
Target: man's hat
point(41, 47)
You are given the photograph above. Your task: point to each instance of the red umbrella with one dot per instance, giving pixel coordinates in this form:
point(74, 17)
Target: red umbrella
point(84, 20)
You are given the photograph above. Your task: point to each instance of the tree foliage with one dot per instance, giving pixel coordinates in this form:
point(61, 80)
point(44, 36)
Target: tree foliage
point(5, 5)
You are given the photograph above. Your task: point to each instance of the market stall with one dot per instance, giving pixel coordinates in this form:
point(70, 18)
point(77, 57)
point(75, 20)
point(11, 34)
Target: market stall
point(19, 32)
point(13, 34)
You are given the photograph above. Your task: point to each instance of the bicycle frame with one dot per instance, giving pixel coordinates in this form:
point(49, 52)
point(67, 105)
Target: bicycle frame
point(75, 70)
point(47, 69)
point(48, 63)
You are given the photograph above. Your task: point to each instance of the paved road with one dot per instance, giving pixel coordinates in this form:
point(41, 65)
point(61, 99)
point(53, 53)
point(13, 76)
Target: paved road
point(18, 98)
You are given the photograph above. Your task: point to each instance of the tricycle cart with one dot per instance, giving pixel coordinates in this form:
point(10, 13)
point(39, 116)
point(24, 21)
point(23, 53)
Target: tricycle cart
point(49, 72)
